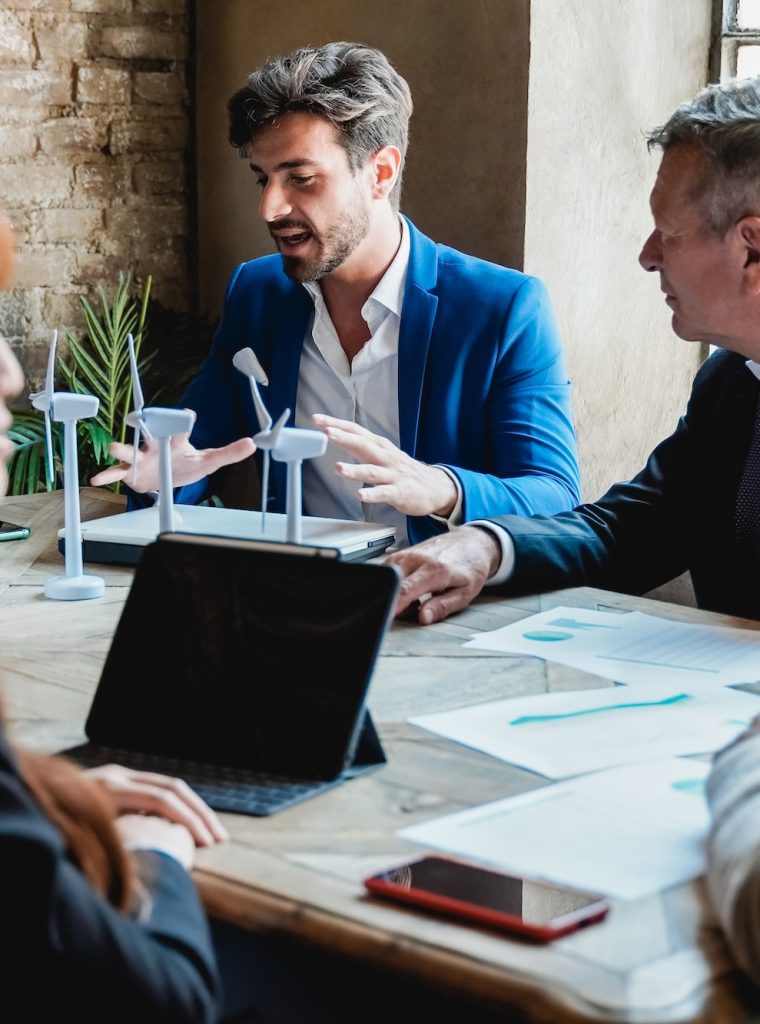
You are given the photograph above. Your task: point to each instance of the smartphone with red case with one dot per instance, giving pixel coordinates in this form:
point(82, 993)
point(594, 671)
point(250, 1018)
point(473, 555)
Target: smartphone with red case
point(528, 907)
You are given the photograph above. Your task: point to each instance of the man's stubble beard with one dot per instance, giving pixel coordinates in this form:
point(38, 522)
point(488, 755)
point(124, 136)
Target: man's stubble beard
point(341, 241)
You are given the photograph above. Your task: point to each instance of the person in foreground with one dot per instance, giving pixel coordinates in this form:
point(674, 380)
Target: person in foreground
point(443, 375)
point(100, 916)
point(696, 504)
point(733, 846)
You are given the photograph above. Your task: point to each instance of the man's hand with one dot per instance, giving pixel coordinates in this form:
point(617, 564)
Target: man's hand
point(398, 480)
point(133, 792)
point(188, 463)
point(451, 568)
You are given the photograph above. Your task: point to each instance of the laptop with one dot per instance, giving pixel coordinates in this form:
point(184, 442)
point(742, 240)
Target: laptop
point(120, 539)
point(243, 670)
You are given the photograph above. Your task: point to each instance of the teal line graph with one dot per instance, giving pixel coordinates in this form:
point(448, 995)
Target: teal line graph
point(576, 624)
point(528, 719)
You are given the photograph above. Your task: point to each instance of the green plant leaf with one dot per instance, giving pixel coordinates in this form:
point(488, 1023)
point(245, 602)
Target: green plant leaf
point(27, 468)
point(169, 346)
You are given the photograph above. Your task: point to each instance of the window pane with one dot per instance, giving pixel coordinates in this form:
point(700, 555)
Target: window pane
point(748, 14)
point(748, 61)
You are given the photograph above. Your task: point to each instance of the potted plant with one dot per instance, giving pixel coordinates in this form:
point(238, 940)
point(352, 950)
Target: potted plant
point(169, 347)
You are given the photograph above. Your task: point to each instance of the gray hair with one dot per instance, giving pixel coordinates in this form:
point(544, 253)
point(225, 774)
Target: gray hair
point(353, 86)
point(722, 123)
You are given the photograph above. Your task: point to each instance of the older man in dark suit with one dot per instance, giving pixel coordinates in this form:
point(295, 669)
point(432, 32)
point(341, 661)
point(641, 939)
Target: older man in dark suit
point(695, 506)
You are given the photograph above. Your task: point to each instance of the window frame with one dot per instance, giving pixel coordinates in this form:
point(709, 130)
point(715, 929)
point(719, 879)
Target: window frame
point(727, 39)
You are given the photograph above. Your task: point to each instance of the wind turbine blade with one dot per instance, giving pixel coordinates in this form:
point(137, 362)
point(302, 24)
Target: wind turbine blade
point(49, 465)
point(47, 407)
point(136, 444)
point(137, 393)
point(278, 427)
point(265, 420)
point(247, 362)
point(264, 491)
point(50, 374)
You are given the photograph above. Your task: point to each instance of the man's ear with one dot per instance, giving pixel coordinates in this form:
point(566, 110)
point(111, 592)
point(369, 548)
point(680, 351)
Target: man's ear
point(385, 165)
point(749, 234)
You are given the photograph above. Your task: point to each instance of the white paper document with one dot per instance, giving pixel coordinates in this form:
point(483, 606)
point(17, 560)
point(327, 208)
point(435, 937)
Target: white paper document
point(627, 832)
point(564, 734)
point(632, 646)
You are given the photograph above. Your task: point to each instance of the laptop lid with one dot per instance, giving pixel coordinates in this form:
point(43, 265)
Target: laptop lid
point(232, 655)
point(119, 539)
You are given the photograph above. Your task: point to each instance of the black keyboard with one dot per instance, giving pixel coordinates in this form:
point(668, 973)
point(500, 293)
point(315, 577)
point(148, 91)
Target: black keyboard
point(238, 790)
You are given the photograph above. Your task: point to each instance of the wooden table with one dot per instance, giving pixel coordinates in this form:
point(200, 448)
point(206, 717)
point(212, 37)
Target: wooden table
point(659, 959)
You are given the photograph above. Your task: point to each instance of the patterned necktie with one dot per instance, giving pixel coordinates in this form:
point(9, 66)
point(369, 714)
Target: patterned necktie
point(748, 498)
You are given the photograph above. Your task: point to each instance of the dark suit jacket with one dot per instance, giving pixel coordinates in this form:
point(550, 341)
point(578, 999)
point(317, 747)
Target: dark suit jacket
point(482, 385)
point(69, 955)
point(677, 514)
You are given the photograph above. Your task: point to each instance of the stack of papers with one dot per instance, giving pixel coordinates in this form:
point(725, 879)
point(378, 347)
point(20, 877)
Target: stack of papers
point(633, 819)
point(632, 647)
point(626, 832)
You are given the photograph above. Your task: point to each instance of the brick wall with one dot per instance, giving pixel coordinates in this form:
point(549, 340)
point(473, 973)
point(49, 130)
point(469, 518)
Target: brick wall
point(94, 123)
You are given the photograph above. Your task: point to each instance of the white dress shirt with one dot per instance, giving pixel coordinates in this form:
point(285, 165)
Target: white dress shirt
point(364, 391)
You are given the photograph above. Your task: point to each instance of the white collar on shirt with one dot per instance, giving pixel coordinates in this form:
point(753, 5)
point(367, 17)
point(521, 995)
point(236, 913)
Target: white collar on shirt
point(753, 367)
point(388, 294)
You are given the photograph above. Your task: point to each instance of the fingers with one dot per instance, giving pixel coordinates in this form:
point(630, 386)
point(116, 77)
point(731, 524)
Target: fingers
point(125, 454)
point(110, 475)
point(347, 427)
point(388, 495)
point(367, 448)
point(453, 567)
point(422, 576)
point(215, 458)
point(365, 472)
point(356, 440)
point(160, 795)
point(122, 452)
point(238, 450)
point(442, 605)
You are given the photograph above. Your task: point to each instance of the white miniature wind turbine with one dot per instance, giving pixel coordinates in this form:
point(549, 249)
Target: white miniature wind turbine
point(67, 407)
point(160, 424)
point(290, 445)
point(245, 360)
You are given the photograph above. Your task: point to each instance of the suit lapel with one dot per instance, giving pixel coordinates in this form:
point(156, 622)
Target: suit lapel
point(417, 319)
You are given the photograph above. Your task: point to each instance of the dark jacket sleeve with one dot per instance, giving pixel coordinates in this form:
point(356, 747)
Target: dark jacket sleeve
point(70, 946)
point(642, 532)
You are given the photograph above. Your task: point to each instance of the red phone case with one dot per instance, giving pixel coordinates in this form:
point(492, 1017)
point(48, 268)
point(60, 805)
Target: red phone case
point(472, 912)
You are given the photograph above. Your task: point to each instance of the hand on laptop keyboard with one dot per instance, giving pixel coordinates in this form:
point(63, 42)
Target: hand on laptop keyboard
point(150, 793)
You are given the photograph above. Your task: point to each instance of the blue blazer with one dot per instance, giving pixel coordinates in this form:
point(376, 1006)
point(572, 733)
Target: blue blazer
point(482, 386)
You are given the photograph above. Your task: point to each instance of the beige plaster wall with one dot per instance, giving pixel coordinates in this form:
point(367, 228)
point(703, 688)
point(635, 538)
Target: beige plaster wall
point(467, 66)
point(601, 73)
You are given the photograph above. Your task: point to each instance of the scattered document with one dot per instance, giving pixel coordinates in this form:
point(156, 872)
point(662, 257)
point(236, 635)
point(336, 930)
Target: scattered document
point(633, 647)
point(564, 734)
point(627, 832)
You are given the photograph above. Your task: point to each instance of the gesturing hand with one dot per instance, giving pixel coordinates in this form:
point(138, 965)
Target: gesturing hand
point(188, 463)
point(396, 479)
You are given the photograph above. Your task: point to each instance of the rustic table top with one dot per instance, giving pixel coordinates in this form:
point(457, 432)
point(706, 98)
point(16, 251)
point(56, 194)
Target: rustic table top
point(659, 959)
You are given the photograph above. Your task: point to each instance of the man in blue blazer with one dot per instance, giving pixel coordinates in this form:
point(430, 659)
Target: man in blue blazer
point(443, 375)
point(696, 504)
